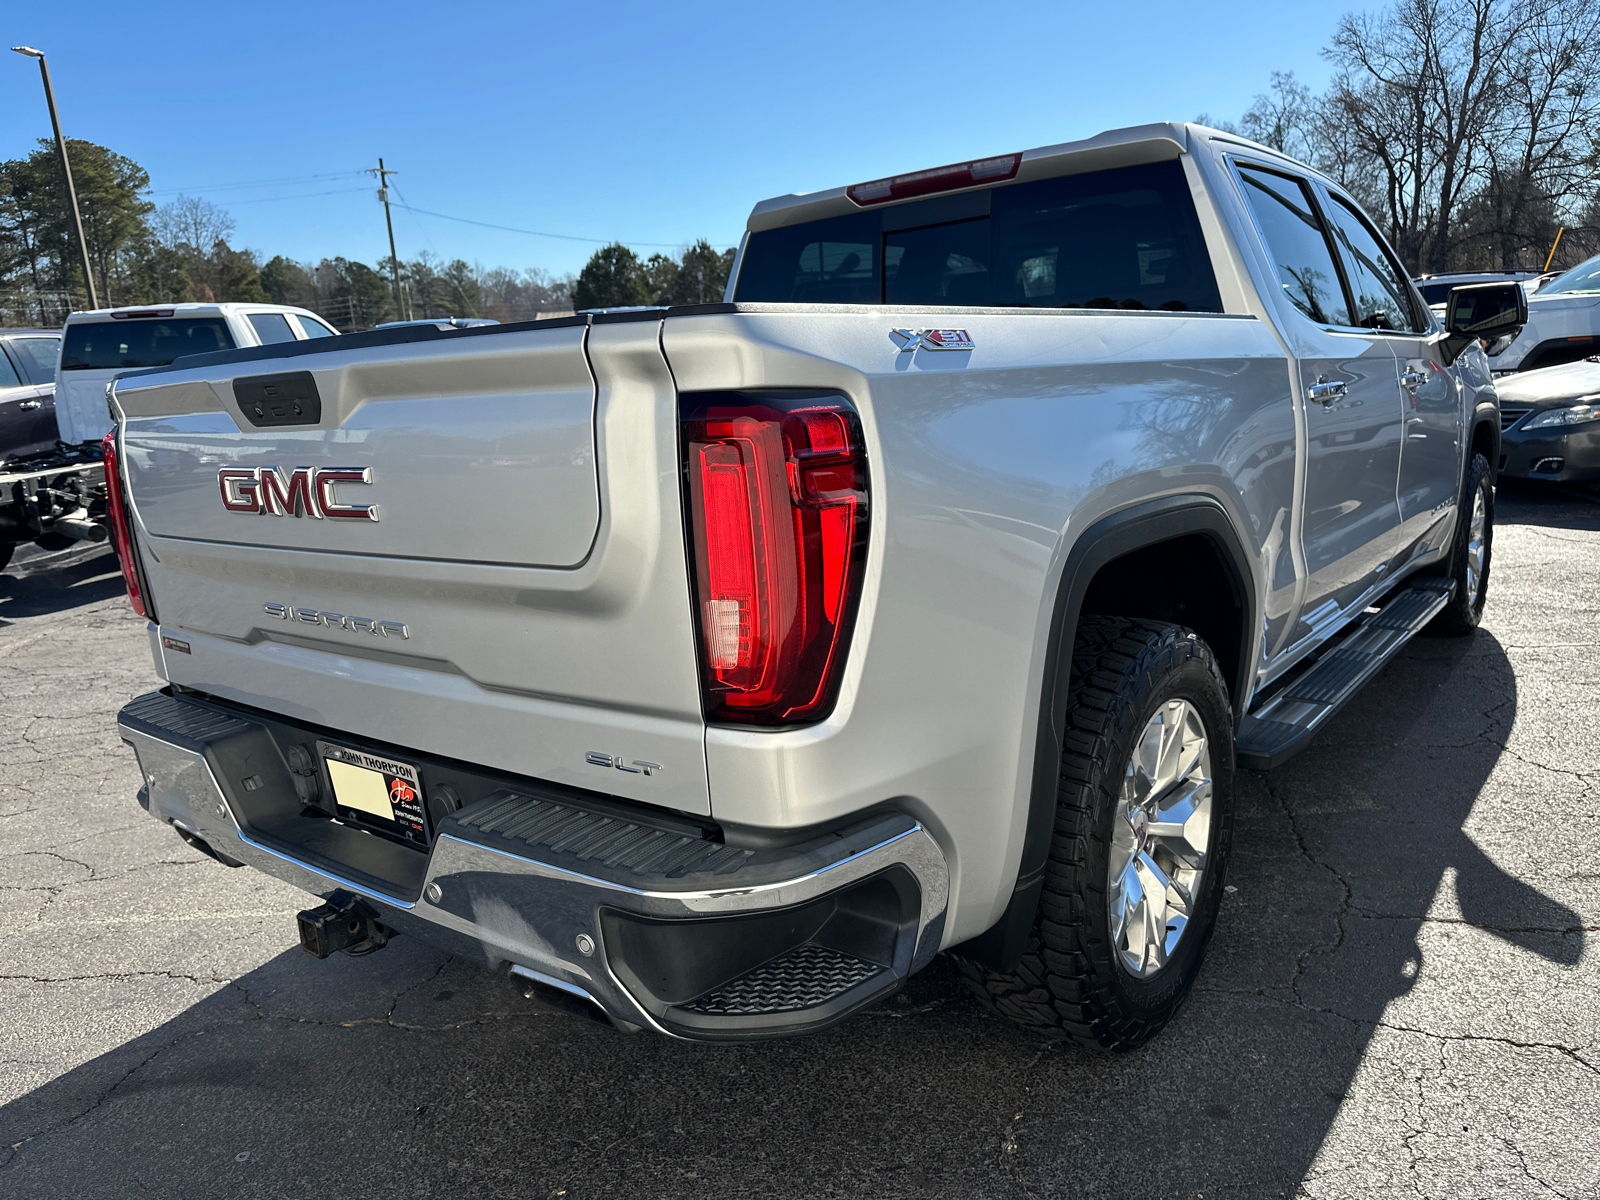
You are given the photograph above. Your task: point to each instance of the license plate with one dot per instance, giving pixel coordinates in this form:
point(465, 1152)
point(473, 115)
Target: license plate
point(376, 790)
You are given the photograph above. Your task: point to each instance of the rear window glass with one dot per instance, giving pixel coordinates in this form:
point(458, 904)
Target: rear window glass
point(144, 342)
point(271, 327)
point(38, 355)
point(1121, 239)
point(1435, 293)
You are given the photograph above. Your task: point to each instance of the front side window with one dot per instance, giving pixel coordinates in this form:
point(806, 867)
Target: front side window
point(38, 356)
point(1126, 238)
point(270, 327)
point(8, 374)
point(1298, 246)
point(1376, 283)
point(140, 342)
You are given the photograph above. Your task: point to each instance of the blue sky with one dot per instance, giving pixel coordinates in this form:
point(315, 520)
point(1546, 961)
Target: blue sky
point(643, 123)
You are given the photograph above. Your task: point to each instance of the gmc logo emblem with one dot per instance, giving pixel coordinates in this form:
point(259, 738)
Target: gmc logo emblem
point(303, 492)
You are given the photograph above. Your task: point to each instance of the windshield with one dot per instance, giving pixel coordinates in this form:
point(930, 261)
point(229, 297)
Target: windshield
point(140, 342)
point(1585, 277)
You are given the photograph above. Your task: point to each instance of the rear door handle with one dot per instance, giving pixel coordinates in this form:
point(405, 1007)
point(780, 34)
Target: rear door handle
point(29, 405)
point(1325, 393)
point(1413, 379)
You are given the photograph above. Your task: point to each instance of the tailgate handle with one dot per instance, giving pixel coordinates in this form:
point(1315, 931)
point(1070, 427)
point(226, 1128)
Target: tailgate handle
point(275, 400)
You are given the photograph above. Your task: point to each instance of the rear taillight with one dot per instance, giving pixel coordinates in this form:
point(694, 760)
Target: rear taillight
point(121, 530)
point(777, 500)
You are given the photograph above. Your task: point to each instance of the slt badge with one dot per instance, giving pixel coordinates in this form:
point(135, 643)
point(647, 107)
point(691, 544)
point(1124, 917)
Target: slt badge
point(934, 339)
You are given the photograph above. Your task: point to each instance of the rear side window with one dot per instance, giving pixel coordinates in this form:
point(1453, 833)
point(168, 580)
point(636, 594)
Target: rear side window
point(1297, 243)
point(270, 327)
point(145, 342)
point(1381, 296)
point(8, 374)
point(38, 357)
point(1125, 238)
point(314, 329)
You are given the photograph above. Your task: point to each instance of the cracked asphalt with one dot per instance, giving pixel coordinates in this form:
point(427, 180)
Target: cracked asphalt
point(1399, 1000)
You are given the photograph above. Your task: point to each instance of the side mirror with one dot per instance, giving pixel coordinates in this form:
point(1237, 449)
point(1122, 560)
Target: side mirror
point(1482, 311)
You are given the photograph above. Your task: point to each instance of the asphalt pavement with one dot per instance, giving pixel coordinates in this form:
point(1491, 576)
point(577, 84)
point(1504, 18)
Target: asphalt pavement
point(1400, 999)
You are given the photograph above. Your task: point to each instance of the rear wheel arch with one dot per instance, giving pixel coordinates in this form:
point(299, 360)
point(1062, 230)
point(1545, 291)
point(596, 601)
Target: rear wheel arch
point(1107, 562)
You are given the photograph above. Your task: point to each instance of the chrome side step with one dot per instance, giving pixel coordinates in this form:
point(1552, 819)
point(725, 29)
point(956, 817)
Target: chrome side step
point(1281, 726)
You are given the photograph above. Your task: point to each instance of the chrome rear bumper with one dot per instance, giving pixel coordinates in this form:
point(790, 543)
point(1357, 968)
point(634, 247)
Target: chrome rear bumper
point(604, 906)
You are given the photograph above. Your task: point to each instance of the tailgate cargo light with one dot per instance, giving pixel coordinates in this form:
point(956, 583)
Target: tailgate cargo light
point(121, 529)
point(777, 500)
point(133, 315)
point(937, 179)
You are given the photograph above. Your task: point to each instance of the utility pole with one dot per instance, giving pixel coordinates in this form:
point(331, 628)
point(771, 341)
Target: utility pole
point(66, 169)
point(394, 263)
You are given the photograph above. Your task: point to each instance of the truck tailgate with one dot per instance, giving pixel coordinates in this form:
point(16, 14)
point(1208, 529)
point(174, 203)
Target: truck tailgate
point(520, 600)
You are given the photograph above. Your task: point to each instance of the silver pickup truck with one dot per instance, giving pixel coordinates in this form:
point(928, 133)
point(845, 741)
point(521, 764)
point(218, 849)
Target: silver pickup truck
point(711, 669)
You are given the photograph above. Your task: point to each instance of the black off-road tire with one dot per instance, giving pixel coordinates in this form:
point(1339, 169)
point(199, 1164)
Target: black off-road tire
point(1465, 610)
point(1069, 983)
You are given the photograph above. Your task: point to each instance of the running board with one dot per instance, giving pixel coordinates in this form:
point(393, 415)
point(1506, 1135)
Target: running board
point(1280, 728)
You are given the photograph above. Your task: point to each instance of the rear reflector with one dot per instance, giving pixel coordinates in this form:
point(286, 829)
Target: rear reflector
point(938, 179)
point(777, 502)
point(121, 530)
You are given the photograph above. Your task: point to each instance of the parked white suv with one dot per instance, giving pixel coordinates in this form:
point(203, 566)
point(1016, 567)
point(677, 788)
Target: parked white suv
point(1563, 324)
point(100, 344)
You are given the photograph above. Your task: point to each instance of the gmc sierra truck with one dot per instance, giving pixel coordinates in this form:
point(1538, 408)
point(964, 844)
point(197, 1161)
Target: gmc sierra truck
point(711, 669)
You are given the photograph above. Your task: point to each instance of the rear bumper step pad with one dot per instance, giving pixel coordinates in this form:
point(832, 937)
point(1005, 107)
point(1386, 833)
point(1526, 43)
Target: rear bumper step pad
point(1283, 725)
point(656, 926)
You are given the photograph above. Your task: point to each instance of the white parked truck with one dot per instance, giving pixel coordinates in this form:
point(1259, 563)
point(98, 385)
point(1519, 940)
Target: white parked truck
point(711, 669)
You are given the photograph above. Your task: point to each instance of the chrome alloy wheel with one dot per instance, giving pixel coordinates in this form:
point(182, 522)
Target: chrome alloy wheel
point(1159, 836)
point(1477, 542)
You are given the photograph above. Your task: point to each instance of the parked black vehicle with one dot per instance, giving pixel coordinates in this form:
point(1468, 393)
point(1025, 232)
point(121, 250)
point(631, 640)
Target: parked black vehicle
point(27, 391)
point(50, 494)
point(1550, 422)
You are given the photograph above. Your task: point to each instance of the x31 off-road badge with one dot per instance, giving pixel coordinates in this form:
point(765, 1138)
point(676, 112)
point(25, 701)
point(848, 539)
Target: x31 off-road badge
point(934, 339)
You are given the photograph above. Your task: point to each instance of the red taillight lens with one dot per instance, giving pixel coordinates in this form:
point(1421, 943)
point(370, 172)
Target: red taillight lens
point(777, 499)
point(936, 179)
point(121, 530)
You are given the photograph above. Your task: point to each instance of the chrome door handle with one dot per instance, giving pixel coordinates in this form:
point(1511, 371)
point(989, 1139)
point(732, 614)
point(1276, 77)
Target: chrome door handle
point(29, 405)
point(1413, 379)
point(1325, 393)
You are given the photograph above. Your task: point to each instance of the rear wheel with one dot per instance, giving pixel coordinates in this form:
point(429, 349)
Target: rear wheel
point(1470, 553)
point(1144, 822)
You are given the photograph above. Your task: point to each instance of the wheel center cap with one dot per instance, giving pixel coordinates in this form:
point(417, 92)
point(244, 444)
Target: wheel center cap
point(1141, 824)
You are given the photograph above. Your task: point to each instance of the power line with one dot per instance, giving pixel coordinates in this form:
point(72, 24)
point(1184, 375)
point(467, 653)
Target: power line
point(297, 196)
point(279, 182)
point(565, 237)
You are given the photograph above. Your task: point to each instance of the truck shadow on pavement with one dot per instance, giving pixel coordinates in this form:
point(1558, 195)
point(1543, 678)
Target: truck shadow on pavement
point(410, 1073)
point(42, 584)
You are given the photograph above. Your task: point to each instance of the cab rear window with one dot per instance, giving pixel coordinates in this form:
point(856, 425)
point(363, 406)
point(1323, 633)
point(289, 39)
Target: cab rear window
point(1125, 238)
point(140, 342)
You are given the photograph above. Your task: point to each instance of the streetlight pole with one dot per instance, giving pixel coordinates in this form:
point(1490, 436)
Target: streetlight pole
point(66, 170)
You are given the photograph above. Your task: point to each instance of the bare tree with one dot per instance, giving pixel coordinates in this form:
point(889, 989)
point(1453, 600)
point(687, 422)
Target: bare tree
point(1543, 149)
point(191, 221)
point(1285, 118)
